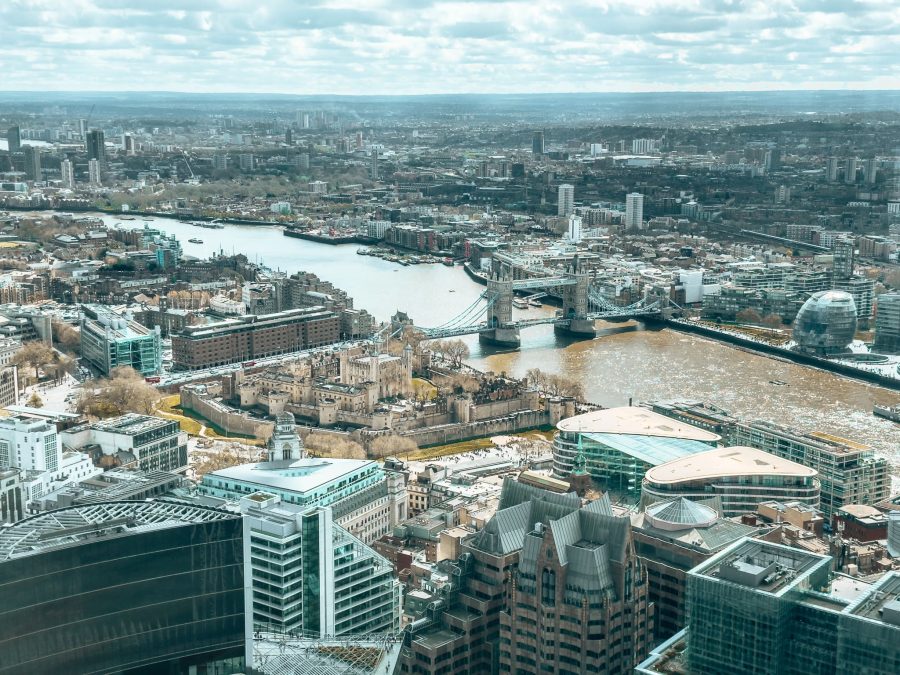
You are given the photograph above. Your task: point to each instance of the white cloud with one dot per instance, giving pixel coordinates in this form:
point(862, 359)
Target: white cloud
point(433, 46)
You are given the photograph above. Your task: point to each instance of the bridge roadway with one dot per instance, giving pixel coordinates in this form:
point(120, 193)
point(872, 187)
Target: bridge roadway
point(457, 331)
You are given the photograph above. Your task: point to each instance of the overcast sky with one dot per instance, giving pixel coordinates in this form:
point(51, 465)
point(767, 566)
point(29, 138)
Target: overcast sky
point(445, 46)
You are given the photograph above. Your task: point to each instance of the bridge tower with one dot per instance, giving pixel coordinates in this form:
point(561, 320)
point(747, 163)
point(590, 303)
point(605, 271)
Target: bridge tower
point(499, 317)
point(575, 304)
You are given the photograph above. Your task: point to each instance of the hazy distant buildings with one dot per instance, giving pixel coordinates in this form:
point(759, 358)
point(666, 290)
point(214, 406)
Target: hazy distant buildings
point(537, 143)
point(871, 170)
point(832, 168)
point(850, 168)
point(373, 169)
point(128, 144)
point(246, 161)
point(13, 139)
point(634, 211)
point(644, 146)
point(566, 200)
point(67, 172)
point(220, 161)
point(94, 171)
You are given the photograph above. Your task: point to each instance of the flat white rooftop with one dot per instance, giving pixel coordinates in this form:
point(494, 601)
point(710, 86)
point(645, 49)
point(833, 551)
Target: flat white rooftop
point(635, 421)
point(300, 475)
point(720, 462)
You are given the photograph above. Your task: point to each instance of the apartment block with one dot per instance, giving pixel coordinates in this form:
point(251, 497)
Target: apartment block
point(253, 337)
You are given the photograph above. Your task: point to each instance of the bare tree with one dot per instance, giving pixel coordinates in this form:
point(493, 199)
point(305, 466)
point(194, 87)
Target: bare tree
point(392, 446)
point(35, 401)
point(457, 350)
point(34, 355)
point(124, 391)
point(332, 445)
point(66, 337)
point(748, 315)
point(771, 321)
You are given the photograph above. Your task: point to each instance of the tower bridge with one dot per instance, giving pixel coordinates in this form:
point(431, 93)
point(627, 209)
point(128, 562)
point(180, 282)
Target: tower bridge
point(491, 315)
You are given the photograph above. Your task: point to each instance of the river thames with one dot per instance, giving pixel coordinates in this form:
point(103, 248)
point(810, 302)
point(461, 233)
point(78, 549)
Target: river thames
point(624, 361)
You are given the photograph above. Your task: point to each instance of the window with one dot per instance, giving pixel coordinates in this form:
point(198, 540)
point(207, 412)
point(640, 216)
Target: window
point(548, 587)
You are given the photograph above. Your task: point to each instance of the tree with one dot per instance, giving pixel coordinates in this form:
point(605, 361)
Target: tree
point(35, 401)
point(748, 315)
point(35, 354)
point(456, 350)
point(333, 445)
point(771, 321)
point(461, 383)
point(66, 336)
point(392, 445)
point(124, 391)
point(554, 385)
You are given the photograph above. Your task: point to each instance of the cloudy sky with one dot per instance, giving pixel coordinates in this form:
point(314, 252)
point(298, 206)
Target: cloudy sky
point(447, 46)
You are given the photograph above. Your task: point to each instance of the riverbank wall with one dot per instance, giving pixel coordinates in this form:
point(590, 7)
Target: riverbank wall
point(334, 241)
point(795, 357)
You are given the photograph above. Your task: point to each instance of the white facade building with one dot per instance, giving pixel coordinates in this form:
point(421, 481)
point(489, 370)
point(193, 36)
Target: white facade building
point(634, 211)
point(312, 577)
point(574, 233)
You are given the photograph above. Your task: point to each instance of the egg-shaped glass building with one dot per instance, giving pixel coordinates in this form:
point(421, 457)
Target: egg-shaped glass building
point(826, 323)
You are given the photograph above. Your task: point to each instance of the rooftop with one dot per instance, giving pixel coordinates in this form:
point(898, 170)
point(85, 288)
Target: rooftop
point(720, 462)
point(636, 421)
point(762, 566)
point(648, 449)
point(130, 424)
point(301, 475)
point(76, 524)
point(881, 602)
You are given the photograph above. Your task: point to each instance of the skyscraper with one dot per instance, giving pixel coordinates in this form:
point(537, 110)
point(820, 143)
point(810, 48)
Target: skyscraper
point(313, 577)
point(13, 139)
point(831, 169)
point(634, 211)
point(289, 136)
point(576, 573)
point(67, 169)
point(843, 257)
point(850, 171)
point(574, 228)
point(373, 171)
point(871, 170)
point(887, 323)
point(537, 143)
point(32, 162)
point(566, 200)
point(128, 144)
point(94, 171)
point(95, 144)
point(134, 586)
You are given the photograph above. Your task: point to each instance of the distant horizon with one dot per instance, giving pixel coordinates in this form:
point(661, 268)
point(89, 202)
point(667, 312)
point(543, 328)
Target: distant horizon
point(229, 92)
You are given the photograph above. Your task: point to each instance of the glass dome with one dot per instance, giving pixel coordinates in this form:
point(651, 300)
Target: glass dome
point(826, 323)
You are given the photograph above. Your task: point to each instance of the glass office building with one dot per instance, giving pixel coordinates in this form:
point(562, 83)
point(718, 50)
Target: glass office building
point(619, 445)
point(124, 587)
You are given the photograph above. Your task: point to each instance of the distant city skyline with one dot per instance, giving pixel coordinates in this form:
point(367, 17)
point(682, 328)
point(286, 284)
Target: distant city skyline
point(440, 46)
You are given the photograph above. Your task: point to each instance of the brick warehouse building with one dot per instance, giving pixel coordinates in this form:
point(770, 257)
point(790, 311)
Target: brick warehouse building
point(252, 337)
